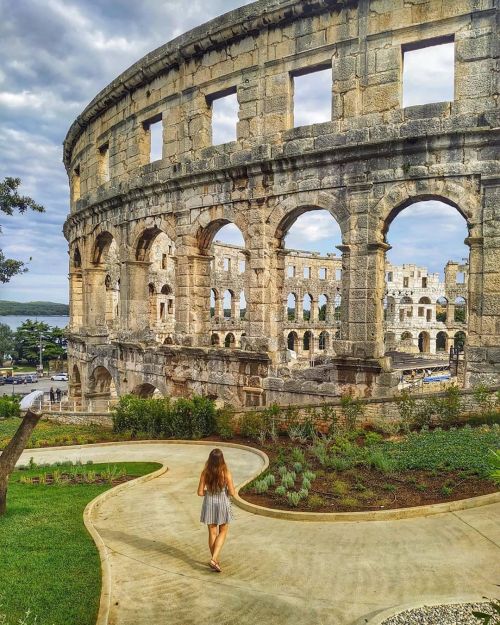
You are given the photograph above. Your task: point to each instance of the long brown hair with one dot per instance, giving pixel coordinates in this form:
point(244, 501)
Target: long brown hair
point(215, 471)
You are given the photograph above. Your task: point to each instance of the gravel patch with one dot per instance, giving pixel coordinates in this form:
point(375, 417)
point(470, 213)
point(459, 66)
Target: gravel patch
point(453, 614)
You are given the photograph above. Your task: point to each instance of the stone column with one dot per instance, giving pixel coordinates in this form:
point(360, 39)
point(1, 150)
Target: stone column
point(362, 317)
point(482, 350)
point(95, 297)
point(137, 294)
point(76, 300)
point(192, 311)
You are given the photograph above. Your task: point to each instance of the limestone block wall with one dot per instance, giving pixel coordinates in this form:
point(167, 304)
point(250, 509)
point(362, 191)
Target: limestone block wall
point(371, 160)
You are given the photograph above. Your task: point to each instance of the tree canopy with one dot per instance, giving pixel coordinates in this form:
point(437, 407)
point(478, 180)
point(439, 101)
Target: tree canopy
point(10, 202)
point(27, 342)
point(6, 342)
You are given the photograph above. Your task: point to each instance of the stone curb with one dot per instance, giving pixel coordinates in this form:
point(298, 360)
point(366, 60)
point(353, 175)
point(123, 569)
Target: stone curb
point(372, 515)
point(92, 506)
point(379, 618)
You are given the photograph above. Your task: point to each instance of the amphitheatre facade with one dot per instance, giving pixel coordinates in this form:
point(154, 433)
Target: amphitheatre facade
point(138, 225)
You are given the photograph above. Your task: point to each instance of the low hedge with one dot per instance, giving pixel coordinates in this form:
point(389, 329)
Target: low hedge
point(165, 418)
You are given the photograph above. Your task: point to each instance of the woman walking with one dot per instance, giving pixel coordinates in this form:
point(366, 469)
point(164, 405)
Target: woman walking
point(216, 484)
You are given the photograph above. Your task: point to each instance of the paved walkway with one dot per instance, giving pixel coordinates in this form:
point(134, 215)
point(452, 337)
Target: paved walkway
point(274, 571)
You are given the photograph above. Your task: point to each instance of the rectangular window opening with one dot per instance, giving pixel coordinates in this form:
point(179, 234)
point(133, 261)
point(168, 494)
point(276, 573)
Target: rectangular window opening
point(163, 261)
point(104, 162)
point(424, 283)
point(227, 264)
point(312, 96)
point(76, 183)
point(389, 276)
point(154, 127)
point(307, 272)
point(429, 72)
point(420, 312)
point(162, 310)
point(406, 282)
point(460, 277)
point(291, 271)
point(225, 108)
point(170, 306)
point(322, 273)
point(338, 275)
point(241, 266)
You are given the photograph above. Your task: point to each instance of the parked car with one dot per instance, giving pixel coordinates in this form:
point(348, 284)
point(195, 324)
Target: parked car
point(9, 380)
point(31, 379)
point(19, 379)
point(60, 377)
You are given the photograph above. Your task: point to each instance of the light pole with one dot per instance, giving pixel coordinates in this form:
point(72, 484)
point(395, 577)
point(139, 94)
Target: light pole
point(40, 366)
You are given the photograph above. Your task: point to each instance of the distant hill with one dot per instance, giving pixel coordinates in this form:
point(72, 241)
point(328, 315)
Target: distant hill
point(34, 309)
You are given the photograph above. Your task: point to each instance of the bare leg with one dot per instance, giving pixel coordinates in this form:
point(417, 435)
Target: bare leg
point(212, 535)
point(219, 541)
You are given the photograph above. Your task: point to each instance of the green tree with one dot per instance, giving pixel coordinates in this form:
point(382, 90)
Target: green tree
point(10, 202)
point(6, 342)
point(27, 342)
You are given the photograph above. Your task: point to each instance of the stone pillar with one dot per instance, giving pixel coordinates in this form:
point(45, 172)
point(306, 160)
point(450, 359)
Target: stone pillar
point(482, 350)
point(192, 311)
point(76, 300)
point(95, 297)
point(137, 295)
point(363, 288)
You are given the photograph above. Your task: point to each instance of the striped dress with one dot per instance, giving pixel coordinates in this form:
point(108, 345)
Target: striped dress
point(216, 508)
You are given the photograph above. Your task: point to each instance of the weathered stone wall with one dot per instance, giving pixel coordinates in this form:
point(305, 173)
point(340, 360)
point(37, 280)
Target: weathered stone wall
point(364, 166)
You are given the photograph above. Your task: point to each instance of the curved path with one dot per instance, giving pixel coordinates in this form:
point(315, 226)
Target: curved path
point(275, 571)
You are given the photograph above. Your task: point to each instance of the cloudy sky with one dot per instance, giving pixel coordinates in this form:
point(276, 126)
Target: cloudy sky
point(57, 54)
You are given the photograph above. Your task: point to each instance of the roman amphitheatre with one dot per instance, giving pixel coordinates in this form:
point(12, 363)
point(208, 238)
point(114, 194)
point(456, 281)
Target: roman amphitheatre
point(145, 316)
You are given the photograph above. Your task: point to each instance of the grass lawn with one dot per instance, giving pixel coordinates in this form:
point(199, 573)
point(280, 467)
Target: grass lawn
point(49, 563)
point(47, 434)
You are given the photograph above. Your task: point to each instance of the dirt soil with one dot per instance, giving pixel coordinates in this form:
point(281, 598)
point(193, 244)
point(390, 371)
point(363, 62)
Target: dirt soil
point(361, 489)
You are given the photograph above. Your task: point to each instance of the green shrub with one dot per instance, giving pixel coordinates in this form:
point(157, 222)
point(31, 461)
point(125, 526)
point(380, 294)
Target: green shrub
point(309, 475)
point(251, 423)
point(338, 463)
point(293, 499)
point(407, 409)
point(339, 487)
point(9, 407)
point(447, 409)
point(380, 461)
point(315, 501)
point(261, 486)
point(494, 464)
point(306, 484)
point(298, 455)
point(224, 424)
point(297, 467)
point(352, 410)
point(280, 490)
point(184, 418)
point(303, 493)
point(373, 438)
point(349, 502)
point(287, 480)
point(282, 470)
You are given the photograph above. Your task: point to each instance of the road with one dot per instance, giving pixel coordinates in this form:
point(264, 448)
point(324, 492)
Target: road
point(43, 384)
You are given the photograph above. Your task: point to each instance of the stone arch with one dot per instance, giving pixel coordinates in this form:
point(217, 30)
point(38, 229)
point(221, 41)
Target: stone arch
point(76, 258)
point(460, 309)
point(291, 310)
point(101, 388)
point(424, 300)
point(441, 341)
point(307, 307)
point(144, 232)
point(307, 341)
point(323, 340)
point(101, 247)
point(168, 341)
point(229, 340)
point(442, 302)
point(75, 384)
point(459, 340)
point(215, 339)
point(147, 391)
point(144, 242)
point(292, 341)
point(229, 304)
point(390, 341)
point(166, 289)
point(214, 303)
point(323, 307)
point(242, 304)
point(210, 222)
point(424, 343)
point(463, 197)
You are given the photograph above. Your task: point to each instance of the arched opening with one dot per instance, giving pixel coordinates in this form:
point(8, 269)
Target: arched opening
point(306, 307)
point(243, 305)
point(105, 285)
point(214, 339)
point(229, 341)
point(291, 304)
point(228, 298)
point(75, 385)
point(425, 233)
point(441, 342)
point(243, 334)
point(323, 341)
point(338, 305)
point(292, 341)
point(406, 343)
point(389, 308)
point(441, 309)
point(424, 343)
point(459, 340)
point(168, 341)
point(76, 289)
point(77, 259)
point(225, 243)
point(322, 307)
point(152, 304)
point(460, 315)
point(390, 341)
point(102, 388)
point(311, 268)
point(157, 248)
point(307, 341)
point(145, 243)
point(147, 391)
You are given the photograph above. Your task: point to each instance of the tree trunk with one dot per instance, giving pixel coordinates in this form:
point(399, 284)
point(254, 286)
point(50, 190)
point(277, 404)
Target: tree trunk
point(13, 451)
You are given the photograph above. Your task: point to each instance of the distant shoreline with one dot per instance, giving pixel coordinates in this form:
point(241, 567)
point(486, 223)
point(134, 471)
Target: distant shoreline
point(33, 309)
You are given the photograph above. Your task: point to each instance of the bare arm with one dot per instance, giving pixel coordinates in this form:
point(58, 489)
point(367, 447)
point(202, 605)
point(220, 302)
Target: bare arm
point(230, 484)
point(201, 485)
